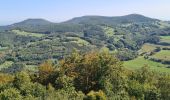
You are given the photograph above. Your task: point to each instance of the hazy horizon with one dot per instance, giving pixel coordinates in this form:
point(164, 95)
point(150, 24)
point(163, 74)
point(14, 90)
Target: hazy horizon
point(58, 11)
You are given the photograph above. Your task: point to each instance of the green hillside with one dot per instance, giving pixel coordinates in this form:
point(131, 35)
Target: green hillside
point(86, 58)
point(33, 41)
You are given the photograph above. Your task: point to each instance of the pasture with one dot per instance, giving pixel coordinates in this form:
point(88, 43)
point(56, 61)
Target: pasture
point(140, 62)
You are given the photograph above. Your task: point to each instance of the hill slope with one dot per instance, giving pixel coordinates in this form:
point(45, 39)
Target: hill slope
point(35, 40)
point(132, 18)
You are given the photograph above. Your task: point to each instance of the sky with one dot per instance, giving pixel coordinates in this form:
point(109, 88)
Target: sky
point(12, 11)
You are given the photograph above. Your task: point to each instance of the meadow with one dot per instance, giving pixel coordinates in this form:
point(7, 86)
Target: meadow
point(23, 33)
point(141, 61)
point(148, 48)
point(165, 39)
point(163, 55)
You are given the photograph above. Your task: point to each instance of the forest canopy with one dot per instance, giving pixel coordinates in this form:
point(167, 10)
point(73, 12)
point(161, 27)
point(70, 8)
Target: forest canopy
point(88, 76)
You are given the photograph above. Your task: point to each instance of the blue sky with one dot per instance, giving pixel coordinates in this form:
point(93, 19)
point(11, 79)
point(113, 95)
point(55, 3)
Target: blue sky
point(60, 10)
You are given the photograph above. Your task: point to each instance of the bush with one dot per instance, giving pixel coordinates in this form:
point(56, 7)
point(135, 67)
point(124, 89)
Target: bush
point(100, 95)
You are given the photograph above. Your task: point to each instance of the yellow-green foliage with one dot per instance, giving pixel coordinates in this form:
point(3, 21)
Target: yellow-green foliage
point(5, 78)
point(79, 41)
point(108, 31)
point(18, 32)
point(10, 94)
point(6, 64)
point(45, 70)
point(92, 95)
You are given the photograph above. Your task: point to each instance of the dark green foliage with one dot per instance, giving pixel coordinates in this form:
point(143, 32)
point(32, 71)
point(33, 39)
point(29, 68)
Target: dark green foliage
point(126, 54)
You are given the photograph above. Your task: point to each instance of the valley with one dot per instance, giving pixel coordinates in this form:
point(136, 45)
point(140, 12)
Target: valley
point(132, 38)
point(86, 58)
point(84, 50)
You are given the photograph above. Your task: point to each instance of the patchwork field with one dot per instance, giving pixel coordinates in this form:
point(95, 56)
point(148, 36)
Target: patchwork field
point(147, 48)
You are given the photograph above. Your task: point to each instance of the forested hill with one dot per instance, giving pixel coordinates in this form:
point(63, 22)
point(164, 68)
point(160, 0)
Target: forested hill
point(99, 20)
point(33, 22)
point(35, 40)
point(86, 58)
point(85, 20)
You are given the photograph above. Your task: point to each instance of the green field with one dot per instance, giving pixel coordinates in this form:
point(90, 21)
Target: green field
point(18, 32)
point(163, 55)
point(147, 48)
point(140, 62)
point(165, 39)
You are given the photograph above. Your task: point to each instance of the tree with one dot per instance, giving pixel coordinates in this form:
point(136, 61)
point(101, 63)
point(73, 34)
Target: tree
point(5, 78)
point(142, 84)
point(164, 86)
point(10, 94)
point(21, 78)
point(95, 71)
point(46, 70)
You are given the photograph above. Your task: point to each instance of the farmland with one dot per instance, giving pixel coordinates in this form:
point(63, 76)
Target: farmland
point(147, 48)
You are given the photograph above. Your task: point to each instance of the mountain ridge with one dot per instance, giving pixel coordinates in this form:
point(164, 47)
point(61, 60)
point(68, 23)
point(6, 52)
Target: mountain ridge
point(77, 20)
point(131, 18)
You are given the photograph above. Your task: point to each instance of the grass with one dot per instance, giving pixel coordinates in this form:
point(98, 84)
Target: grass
point(163, 55)
point(147, 48)
point(6, 64)
point(18, 32)
point(165, 39)
point(140, 62)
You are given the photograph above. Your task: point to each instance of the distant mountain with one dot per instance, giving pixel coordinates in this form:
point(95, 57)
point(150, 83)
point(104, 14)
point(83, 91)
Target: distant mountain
point(132, 18)
point(77, 24)
point(29, 25)
point(33, 22)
